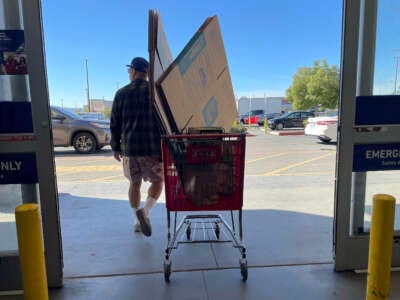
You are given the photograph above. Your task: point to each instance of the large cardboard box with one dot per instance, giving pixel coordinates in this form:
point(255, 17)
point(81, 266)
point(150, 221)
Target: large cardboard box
point(197, 86)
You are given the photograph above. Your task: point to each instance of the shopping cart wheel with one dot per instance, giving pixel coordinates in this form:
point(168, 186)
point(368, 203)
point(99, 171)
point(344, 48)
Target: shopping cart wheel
point(243, 268)
point(167, 270)
point(217, 230)
point(188, 232)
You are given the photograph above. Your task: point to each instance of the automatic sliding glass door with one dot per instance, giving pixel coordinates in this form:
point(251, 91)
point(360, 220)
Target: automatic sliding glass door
point(368, 160)
point(26, 154)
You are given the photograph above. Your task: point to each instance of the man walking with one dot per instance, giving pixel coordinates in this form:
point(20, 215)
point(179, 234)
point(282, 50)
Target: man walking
point(136, 138)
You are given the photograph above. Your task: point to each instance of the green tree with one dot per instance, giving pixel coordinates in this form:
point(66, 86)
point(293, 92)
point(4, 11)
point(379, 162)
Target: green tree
point(314, 86)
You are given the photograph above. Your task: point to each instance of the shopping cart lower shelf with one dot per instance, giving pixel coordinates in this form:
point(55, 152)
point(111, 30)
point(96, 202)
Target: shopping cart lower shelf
point(204, 172)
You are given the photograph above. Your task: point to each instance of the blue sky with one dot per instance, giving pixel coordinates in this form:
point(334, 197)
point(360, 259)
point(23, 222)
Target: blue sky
point(265, 41)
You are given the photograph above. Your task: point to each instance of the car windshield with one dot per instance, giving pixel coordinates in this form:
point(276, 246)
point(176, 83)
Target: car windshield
point(273, 115)
point(254, 112)
point(67, 113)
point(285, 115)
point(94, 116)
point(331, 113)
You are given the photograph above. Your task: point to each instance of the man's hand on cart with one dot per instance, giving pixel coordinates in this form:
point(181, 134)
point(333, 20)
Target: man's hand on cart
point(117, 155)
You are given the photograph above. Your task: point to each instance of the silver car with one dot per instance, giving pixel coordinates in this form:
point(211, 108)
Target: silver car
point(86, 136)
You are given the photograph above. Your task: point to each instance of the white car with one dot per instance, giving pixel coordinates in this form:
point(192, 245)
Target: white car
point(324, 127)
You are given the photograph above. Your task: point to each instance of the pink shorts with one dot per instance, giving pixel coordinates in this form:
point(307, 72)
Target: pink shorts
point(147, 168)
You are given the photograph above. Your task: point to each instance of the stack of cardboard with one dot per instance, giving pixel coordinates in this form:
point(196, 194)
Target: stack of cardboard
point(195, 90)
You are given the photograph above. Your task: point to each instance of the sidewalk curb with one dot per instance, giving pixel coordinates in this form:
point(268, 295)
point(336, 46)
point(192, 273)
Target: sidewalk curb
point(287, 132)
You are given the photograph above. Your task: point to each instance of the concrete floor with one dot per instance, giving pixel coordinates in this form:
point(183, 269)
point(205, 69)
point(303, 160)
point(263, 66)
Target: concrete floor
point(105, 259)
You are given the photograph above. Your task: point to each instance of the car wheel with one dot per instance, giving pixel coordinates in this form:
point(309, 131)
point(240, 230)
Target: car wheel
point(84, 142)
point(279, 126)
point(324, 140)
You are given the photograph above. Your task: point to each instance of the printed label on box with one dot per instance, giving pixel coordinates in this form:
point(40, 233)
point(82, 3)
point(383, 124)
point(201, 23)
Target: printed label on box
point(210, 112)
point(191, 52)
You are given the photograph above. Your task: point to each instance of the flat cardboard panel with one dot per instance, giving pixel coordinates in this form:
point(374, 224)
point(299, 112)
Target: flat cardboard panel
point(152, 52)
point(162, 48)
point(160, 59)
point(162, 106)
point(197, 86)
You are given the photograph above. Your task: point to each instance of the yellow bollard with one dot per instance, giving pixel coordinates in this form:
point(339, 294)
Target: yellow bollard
point(265, 126)
point(31, 252)
point(380, 247)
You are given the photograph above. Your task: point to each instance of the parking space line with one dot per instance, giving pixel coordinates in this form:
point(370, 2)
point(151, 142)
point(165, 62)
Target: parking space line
point(96, 180)
point(75, 169)
point(304, 174)
point(298, 164)
point(83, 163)
point(291, 174)
point(106, 178)
point(266, 157)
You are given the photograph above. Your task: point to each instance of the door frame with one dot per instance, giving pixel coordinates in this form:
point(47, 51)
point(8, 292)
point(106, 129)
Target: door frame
point(357, 73)
point(45, 192)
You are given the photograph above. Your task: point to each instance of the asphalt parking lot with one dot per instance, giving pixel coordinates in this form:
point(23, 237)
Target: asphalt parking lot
point(282, 172)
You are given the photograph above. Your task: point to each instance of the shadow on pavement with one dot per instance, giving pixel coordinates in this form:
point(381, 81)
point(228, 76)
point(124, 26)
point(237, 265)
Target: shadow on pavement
point(98, 239)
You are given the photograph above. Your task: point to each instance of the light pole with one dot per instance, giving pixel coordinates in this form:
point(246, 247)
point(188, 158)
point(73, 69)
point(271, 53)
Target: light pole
point(395, 76)
point(87, 85)
point(249, 118)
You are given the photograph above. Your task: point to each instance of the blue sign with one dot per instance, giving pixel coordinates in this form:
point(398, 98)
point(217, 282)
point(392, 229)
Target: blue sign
point(15, 117)
point(376, 157)
point(377, 110)
point(16, 168)
point(12, 40)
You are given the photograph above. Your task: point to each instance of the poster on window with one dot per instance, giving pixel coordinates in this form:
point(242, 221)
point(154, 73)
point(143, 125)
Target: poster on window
point(12, 53)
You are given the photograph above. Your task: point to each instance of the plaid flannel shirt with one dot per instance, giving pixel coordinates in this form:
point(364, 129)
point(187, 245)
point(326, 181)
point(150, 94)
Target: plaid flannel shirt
point(134, 127)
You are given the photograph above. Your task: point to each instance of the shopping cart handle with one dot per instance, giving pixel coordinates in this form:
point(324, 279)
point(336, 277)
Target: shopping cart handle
point(201, 136)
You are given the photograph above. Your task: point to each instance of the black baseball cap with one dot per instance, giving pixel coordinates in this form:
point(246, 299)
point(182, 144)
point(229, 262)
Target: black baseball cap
point(140, 64)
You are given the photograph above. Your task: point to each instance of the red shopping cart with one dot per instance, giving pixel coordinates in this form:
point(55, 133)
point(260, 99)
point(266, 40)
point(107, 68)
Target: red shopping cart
point(204, 172)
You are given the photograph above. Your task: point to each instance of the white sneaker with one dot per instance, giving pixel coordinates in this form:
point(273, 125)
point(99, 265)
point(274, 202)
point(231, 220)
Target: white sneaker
point(137, 227)
point(144, 222)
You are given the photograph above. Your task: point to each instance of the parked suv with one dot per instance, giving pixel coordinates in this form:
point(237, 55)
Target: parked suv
point(257, 117)
point(290, 120)
point(86, 136)
point(253, 115)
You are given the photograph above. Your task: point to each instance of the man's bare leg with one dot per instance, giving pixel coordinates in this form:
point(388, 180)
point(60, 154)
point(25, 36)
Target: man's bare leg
point(134, 194)
point(153, 193)
point(134, 200)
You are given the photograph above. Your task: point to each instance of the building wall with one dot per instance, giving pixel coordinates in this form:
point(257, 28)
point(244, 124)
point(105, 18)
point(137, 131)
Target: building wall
point(99, 105)
point(268, 104)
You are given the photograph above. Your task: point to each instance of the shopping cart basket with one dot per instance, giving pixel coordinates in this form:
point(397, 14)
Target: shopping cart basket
point(204, 172)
